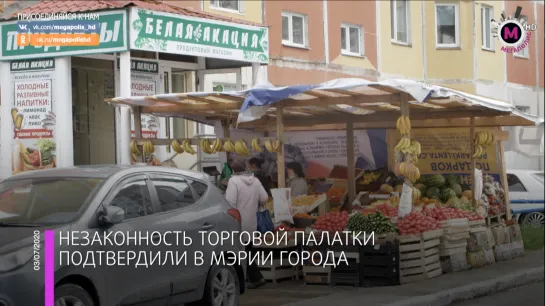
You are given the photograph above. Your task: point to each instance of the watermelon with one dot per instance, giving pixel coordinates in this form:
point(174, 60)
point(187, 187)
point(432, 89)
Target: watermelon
point(436, 180)
point(446, 194)
point(422, 188)
point(454, 202)
point(457, 188)
point(433, 193)
point(453, 179)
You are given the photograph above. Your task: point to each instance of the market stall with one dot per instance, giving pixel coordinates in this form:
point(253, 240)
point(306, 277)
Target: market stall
point(416, 208)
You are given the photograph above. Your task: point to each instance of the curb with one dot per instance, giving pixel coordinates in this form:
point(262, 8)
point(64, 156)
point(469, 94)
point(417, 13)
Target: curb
point(475, 290)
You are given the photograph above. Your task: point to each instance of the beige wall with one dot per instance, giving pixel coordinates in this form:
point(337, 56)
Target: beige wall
point(456, 63)
point(523, 70)
point(252, 11)
point(400, 59)
point(490, 64)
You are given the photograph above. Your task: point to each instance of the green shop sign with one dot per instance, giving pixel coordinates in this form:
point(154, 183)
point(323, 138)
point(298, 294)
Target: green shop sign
point(113, 38)
point(177, 34)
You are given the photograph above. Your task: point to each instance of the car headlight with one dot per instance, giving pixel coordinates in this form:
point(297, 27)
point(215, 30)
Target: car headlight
point(15, 259)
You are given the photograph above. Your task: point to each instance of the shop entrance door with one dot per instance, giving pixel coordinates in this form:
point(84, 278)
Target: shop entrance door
point(94, 120)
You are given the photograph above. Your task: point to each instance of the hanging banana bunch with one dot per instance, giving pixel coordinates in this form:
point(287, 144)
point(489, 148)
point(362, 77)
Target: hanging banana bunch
point(205, 146)
point(273, 146)
point(256, 146)
point(186, 145)
point(177, 147)
point(410, 171)
point(229, 146)
point(135, 152)
point(241, 147)
point(403, 125)
point(217, 146)
point(481, 140)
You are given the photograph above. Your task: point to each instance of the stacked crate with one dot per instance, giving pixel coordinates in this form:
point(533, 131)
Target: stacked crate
point(380, 264)
point(316, 274)
point(480, 244)
point(280, 268)
point(509, 243)
point(346, 273)
point(419, 256)
point(452, 249)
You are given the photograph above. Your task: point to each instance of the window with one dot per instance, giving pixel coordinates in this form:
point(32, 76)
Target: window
point(524, 53)
point(173, 193)
point(486, 31)
point(294, 29)
point(400, 21)
point(515, 185)
point(232, 5)
point(134, 199)
point(524, 109)
point(447, 25)
point(351, 40)
point(200, 188)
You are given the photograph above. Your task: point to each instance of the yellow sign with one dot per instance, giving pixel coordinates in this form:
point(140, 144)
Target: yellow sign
point(447, 151)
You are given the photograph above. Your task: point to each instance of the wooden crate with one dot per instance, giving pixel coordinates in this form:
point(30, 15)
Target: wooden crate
point(278, 271)
point(451, 251)
point(493, 221)
point(477, 223)
point(419, 256)
point(454, 262)
point(317, 275)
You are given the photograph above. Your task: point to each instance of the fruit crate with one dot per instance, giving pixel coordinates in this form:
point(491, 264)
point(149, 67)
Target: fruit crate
point(419, 256)
point(278, 271)
point(494, 221)
point(347, 274)
point(380, 264)
point(317, 275)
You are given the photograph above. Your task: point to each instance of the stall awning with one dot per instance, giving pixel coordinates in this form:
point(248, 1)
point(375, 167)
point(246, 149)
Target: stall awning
point(373, 104)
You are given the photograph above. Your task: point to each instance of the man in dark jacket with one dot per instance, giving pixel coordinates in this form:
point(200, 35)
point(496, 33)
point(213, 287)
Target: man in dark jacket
point(254, 165)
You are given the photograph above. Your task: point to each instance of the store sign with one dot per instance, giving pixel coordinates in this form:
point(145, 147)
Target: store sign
point(113, 38)
point(32, 115)
point(447, 151)
point(143, 66)
point(177, 34)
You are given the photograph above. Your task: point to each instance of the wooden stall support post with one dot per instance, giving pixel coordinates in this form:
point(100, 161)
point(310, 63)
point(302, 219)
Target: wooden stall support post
point(351, 164)
point(473, 160)
point(505, 184)
point(280, 162)
point(138, 131)
point(404, 105)
point(226, 134)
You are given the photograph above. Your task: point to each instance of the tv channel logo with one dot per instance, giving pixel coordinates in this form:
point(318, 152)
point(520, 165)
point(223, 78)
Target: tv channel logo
point(514, 32)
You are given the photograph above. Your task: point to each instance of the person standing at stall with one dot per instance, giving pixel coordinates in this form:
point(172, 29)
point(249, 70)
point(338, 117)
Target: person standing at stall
point(245, 193)
point(296, 179)
point(255, 165)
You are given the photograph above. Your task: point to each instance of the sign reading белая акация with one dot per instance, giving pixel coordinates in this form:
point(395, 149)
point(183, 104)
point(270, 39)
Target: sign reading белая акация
point(176, 34)
point(113, 38)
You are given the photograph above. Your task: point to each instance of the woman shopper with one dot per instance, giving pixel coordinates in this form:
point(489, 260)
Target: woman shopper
point(255, 165)
point(245, 193)
point(296, 179)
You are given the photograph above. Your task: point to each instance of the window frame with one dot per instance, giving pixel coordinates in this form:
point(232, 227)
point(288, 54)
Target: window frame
point(197, 199)
point(492, 46)
point(214, 4)
point(114, 191)
point(290, 42)
point(361, 43)
point(456, 27)
point(393, 13)
point(526, 51)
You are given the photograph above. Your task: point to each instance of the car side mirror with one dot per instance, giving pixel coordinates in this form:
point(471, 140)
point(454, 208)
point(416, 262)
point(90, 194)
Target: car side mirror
point(112, 215)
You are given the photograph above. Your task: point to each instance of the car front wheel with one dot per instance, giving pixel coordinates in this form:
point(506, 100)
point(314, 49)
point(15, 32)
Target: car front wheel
point(72, 295)
point(222, 287)
point(533, 219)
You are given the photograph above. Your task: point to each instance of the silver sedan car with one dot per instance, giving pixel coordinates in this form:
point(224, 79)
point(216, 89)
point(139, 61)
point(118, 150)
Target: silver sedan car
point(156, 211)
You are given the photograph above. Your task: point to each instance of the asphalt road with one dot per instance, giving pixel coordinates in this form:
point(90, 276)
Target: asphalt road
point(531, 295)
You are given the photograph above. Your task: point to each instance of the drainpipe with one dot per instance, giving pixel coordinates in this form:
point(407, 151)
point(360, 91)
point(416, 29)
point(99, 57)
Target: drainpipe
point(326, 31)
point(424, 45)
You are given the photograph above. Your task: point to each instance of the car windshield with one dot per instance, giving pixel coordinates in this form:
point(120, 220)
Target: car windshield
point(45, 201)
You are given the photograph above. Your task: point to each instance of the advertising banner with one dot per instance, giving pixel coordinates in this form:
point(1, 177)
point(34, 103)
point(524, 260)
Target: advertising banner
point(32, 115)
point(447, 151)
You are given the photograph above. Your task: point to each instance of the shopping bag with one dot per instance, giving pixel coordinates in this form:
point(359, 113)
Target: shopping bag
point(264, 220)
point(282, 205)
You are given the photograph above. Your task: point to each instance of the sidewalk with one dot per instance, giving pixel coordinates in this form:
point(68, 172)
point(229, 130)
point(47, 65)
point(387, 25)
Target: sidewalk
point(442, 290)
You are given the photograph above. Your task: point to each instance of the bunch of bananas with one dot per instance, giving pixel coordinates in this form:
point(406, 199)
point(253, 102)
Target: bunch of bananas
point(273, 146)
point(229, 146)
point(403, 125)
point(410, 171)
point(482, 139)
point(256, 146)
point(416, 194)
point(241, 148)
point(177, 147)
point(134, 149)
point(149, 148)
point(186, 145)
point(217, 146)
